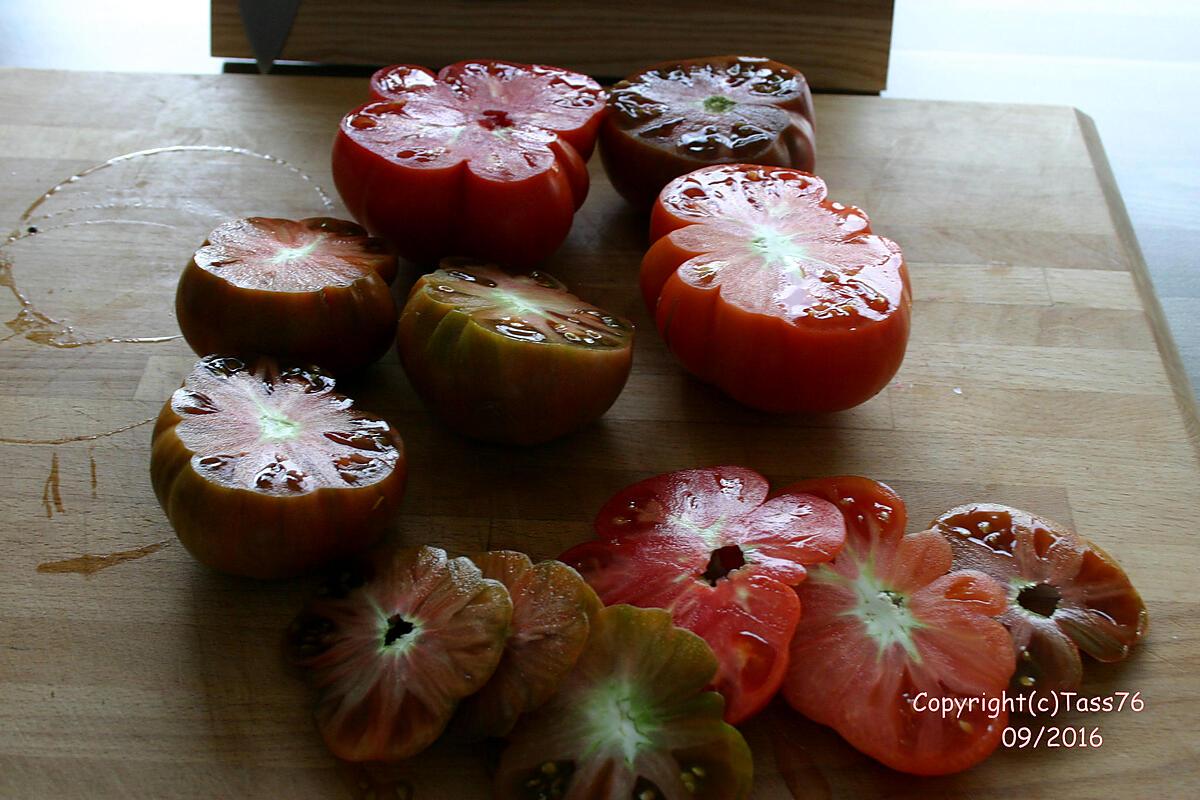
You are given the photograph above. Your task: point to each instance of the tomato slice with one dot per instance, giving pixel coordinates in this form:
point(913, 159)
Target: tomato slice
point(887, 628)
point(1065, 594)
point(778, 295)
point(632, 721)
point(485, 158)
point(677, 116)
point(710, 547)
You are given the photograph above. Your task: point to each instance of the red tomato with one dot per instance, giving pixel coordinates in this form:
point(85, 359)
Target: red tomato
point(708, 546)
point(485, 158)
point(887, 628)
point(779, 296)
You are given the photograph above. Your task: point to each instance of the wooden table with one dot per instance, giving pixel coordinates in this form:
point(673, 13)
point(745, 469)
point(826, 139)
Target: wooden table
point(1039, 374)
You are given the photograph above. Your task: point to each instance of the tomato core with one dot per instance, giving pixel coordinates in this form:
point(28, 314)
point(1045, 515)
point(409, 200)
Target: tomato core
point(276, 427)
point(1039, 598)
point(885, 614)
point(724, 561)
point(619, 721)
point(495, 118)
point(398, 627)
point(718, 104)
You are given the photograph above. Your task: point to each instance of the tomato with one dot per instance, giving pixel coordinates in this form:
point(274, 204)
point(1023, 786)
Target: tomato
point(552, 609)
point(485, 158)
point(677, 116)
point(393, 643)
point(310, 292)
point(1065, 594)
point(711, 548)
point(267, 472)
point(632, 721)
point(514, 359)
point(887, 627)
point(782, 298)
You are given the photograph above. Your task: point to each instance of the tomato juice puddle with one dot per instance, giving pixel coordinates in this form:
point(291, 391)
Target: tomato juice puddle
point(77, 285)
point(89, 564)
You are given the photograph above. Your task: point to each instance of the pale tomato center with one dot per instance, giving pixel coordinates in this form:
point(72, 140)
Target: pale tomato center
point(618, 720)
point(275, 426)
point(717, 104)
point(287, 255)
point(884, 613)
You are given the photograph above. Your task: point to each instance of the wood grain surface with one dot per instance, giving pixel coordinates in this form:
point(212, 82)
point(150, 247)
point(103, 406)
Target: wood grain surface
point(840, 46)
point(1038, 374)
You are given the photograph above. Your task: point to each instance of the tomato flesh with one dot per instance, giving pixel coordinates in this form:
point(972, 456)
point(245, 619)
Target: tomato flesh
point(886, 628)
point(267, 472)
point(677, 116)
point(631, 721)
point(485, 158)
point(393, 644)
point(515, 359)
point(781, 297)
point(709, 546)
point(1065, 594)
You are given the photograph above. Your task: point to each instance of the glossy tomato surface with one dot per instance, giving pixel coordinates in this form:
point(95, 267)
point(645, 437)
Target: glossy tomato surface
point(392, 643)
point(485, 158)
point(709, 546)
point(632, 721)
point(267, 472)
point(510, 358)
point(310, 291)
point(678, 116)
point(1065, 594)
point(781, 297)
point(887, 628)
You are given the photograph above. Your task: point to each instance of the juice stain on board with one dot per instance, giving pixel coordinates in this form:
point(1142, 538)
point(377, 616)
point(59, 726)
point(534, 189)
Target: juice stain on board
point(89, 564)
point(51, 492)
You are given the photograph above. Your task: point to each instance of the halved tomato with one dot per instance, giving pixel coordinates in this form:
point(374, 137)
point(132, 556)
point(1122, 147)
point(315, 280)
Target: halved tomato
point(1065, 594)
point(313, 291)
point(677, 116)
point(510, 358)
point(632, 721)
point(782, 298)
point(393, 643)
point(485, 158)
point(889, 634)
point(711, 548)
point(267, 472)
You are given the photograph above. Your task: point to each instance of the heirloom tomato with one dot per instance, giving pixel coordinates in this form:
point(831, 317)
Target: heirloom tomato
point(782, 298)
point(709, 546)
point(393, 643)
point(677, 116)
point(632, 721)
point(552, 607)
point(1065, 594)
point(309, 292)
point(267, 472)
point(889, 635)
point(485, 158)
point(510, 358)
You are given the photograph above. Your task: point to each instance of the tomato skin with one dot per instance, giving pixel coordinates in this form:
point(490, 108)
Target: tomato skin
point(639, 166)
point(490, 387)
point(942, 640)
point(450, 208)
point(264, 536)
point(341, 328)
point(757, 356)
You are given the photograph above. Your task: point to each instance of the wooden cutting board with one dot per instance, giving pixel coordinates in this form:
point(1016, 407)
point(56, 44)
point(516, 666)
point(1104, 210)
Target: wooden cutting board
point(1039, 374)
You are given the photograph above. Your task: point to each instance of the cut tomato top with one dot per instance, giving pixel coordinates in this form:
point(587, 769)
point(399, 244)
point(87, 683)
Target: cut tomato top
point(726, 108)
point(498, 117)
point(534, 308)
point(772, 243)
point(1065, 594)
point(887, 628)
point(279, 432)
point(283, 255)
point(709, 546)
